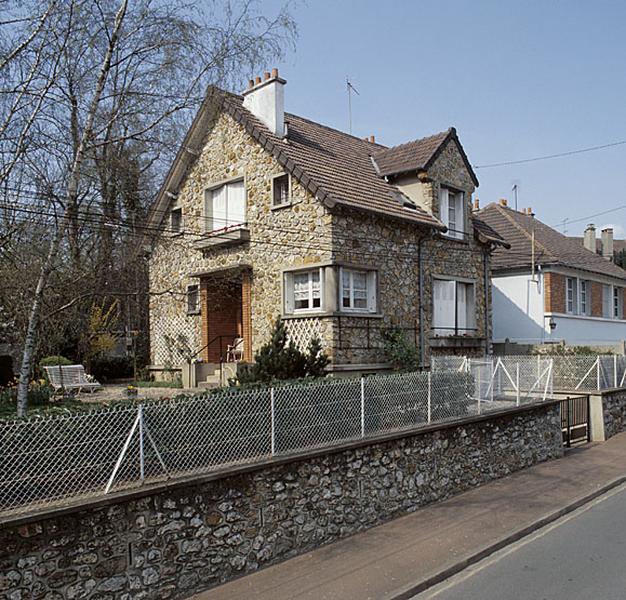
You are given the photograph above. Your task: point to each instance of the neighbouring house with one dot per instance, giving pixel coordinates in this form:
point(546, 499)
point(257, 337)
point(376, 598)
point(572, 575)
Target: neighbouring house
point(549, 288)
point(605, 245)
point(266, 214)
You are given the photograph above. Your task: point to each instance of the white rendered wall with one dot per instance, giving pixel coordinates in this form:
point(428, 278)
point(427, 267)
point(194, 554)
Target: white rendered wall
point(586, 331)
point(518, 309)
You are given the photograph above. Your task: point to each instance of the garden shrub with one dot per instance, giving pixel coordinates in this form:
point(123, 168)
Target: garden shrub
point(105, 368)
point(401, 352)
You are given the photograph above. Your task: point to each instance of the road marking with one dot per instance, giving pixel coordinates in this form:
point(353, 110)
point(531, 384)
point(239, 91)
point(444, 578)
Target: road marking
point(500, 554)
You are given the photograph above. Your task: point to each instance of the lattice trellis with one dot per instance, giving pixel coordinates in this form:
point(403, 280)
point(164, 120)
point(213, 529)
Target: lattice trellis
point(302, 331)
point(174, 336)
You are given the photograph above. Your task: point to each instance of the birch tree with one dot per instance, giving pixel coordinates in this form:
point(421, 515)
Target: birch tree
point(95, 97)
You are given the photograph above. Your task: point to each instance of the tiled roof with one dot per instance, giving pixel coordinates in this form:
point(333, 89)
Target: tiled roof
point(487, 232)
point(334, 166)
point(618, 245)
point(551, 247)
point(417, 155)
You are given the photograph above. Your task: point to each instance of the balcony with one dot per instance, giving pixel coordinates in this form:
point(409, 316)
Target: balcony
point(229, 236)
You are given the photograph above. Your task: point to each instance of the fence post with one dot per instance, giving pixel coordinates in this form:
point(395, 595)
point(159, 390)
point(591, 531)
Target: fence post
point(615, 370)
point(273, 421)
point(598, 371)
point(362, 406)
point(430, 395)
point(517, 382)
point(142, 460)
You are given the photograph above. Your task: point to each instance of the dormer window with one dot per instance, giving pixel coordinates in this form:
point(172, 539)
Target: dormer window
point(176, 220)
point(280, 191)
point(452, 212)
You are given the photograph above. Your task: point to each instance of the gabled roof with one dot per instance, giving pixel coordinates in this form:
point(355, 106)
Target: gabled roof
point(551, 247)
point(335, 167)
point(419, 155)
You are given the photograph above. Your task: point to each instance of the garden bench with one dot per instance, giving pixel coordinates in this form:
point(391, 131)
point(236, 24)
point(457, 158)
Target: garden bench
point(70, 377)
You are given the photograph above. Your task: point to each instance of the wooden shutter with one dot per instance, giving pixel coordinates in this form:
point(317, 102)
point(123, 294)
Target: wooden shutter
point(444, 303)
point(217, 210)
point(288, 293)
point(443, 206)
point(371, 291)
point(459, 200)
point(461, 307)
point(236, 203)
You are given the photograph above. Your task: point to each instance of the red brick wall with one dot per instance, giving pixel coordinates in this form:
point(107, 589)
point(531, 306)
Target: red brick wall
point(554, 297)
point(246, 315)
point(596, 299)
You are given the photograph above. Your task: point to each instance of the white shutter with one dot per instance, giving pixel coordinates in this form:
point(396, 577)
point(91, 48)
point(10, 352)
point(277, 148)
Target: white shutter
point(460, 214)
point(371, 291)
point(443, 206)
point(461, 306)
point(607, 299)
point(236, 203)
point(217, 217)
point(288, 293)
point(444, 302)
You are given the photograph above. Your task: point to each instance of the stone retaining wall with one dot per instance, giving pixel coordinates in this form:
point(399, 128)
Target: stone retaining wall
point(176, 540)
point(614, 410)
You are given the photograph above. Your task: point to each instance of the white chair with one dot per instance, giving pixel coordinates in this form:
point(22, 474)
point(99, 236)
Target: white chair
point(234, 351)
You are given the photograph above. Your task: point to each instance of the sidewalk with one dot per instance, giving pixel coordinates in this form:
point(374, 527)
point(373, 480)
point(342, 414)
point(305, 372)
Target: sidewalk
point(405, 556)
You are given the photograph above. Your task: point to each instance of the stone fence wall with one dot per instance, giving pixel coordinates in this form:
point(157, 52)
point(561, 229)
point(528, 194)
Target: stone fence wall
point(614, 412)
point(174, 540)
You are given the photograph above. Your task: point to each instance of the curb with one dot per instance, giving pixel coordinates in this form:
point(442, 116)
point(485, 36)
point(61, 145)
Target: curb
point(416, 588)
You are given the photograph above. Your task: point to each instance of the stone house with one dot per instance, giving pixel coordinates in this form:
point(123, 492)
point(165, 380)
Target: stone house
point(551, 288)
point(266, 214)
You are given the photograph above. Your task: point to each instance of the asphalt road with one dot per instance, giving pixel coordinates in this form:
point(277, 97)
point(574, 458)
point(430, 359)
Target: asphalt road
point(580, 557)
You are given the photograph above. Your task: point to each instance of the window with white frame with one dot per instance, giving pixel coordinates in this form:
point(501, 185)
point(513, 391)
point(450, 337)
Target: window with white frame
point(193, 299)
point(280, 190)
point(452, 212)
point(357, 290)
point(176, 220)
point(617, 302)
point(454, 311)
point(225, 206)
point(303, 291)
point(572, 291)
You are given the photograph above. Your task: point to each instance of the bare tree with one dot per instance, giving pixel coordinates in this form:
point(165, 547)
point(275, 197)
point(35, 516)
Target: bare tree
point(95, 97)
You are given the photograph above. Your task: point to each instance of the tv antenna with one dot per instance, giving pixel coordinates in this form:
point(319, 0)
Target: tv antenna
point(350, 88)
point(514, 190)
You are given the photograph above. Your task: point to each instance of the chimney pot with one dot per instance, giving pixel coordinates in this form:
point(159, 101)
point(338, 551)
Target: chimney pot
point(373, 139)
point(476, 204)
point(257, 80)
point(529, 211)
point(504, 202)
point(250, 83)
point(274, 72)
point(266, 75)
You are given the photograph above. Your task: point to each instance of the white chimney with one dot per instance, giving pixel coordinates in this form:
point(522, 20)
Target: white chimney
point(607, 243)
point(590, 238)
point(265, 99)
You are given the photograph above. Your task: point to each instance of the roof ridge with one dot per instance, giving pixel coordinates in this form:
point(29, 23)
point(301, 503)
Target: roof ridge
point(350, 135)
point(416, 140)
point(503, 211)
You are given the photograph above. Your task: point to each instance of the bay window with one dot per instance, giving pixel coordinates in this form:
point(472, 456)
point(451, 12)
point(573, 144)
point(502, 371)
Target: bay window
point(225, 207)
point(358, 290)
point(453, 307)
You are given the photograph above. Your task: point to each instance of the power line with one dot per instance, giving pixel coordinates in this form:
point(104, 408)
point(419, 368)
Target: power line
point(598, 214)
point(549, 156)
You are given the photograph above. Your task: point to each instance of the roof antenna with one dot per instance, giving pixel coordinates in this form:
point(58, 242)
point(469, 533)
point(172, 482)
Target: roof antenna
point(514, 190)
point(350, 88)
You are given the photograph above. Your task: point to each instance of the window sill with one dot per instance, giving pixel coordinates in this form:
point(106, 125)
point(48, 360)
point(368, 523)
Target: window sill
point(231, 237)
point(279, 206)
point(193, 314)
point(329, 314)
point(448, 238)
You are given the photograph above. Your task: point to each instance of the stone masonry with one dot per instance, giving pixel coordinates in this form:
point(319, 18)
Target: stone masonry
point(305, 232)
point(614, 411)
point(178, 540)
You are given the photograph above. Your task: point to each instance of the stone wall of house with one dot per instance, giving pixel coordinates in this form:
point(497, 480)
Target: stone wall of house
point(178, 540)
point(290, 236)
point(614, 411)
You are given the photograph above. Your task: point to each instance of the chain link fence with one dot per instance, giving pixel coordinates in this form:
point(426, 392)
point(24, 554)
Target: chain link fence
point(46, 460)
point(584, 373)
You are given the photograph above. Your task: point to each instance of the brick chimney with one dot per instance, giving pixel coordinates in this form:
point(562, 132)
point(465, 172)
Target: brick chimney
point(265, 99)
point(607, 243)
point(590, 238)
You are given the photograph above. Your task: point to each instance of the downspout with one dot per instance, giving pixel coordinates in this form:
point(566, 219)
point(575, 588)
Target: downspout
point(420, 264)
point(487, 307)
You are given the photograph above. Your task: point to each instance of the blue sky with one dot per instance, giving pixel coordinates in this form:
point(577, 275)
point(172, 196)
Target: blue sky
point(517, 80)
